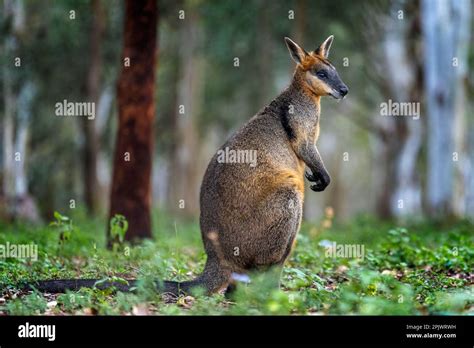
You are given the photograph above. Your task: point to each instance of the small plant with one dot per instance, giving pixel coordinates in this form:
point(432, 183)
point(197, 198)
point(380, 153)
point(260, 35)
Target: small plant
point(118, 229)
point(65, 227)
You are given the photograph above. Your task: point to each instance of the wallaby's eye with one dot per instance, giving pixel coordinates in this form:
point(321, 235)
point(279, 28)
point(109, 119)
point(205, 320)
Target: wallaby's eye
point(322, 74)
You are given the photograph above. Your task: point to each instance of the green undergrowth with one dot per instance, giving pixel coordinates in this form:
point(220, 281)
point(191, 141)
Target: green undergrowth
point(414, 269)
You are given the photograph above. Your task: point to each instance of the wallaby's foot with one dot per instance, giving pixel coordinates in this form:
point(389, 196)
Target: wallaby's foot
point(230, 291)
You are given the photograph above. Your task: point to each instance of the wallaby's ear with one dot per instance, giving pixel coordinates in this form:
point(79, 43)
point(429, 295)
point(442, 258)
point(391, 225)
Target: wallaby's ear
point(323, 49)
point(297, 53)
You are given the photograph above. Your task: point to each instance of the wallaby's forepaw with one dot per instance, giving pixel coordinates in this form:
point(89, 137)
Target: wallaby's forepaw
point(310, 177)
point(318, 187)
point(321, 181)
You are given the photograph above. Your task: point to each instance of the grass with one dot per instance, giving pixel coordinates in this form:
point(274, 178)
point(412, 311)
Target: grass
point(415, 269)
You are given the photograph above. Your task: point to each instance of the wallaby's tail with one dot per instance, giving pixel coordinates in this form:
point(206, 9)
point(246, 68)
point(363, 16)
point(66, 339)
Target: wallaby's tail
point(61, 285)
point(211, 280)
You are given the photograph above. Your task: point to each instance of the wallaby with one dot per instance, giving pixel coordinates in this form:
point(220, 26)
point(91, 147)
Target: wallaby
point(250, 214)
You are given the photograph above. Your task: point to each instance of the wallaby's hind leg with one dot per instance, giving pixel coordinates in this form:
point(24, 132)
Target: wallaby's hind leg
point(216, 276)
point(286, 205)
point(275, 240)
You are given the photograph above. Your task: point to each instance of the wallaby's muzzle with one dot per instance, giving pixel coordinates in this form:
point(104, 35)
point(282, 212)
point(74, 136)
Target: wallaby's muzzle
point(339, 92)
point(343, 90)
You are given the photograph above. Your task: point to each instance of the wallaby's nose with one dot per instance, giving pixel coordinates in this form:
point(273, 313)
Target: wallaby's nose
point(343, 90)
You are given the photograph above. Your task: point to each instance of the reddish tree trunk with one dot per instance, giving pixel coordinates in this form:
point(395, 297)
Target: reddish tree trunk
point(131, 182)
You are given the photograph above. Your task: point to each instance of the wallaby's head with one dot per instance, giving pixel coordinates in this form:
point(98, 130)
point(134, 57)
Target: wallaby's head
point(316, 74)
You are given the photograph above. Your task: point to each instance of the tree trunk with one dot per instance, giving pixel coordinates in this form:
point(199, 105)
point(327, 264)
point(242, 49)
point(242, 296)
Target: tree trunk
point(469, 174)
point(403, 74)
point(131, 183)
point(24, 205)
point(185, 174)
point(440, 38)
point(104, 170)
point(91, 142)
point(462, 190)
point(9, 102)
point(18, 202)
point(7, 135)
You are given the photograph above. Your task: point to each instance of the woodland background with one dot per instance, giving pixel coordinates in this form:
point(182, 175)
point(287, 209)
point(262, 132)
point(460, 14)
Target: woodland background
point(222, 63)
point(406, 51)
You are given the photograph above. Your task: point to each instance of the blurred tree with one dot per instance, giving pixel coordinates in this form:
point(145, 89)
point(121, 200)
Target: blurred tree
point(404, 72)
point(131, 183)
point(390, 41)
point(231, 85)
point(8, 102)
point(463, 198)
point(24, 206)
point(198, 71)
point(54, 41)
point(440, 18)
point(184, 178)
point(168, 75)
point(20, 92)
point(89, 127)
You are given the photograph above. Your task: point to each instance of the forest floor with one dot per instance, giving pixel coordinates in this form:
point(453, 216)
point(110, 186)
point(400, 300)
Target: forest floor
point(420, 268)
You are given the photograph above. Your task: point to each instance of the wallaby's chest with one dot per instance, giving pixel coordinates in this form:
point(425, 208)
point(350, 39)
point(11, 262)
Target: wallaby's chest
point(308, 128)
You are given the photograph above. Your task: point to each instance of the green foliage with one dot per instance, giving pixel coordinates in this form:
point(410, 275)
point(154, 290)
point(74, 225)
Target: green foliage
point(28, 305)
point(64, 226)
point(414, 269)
point(118, 229)
point(370, 292)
